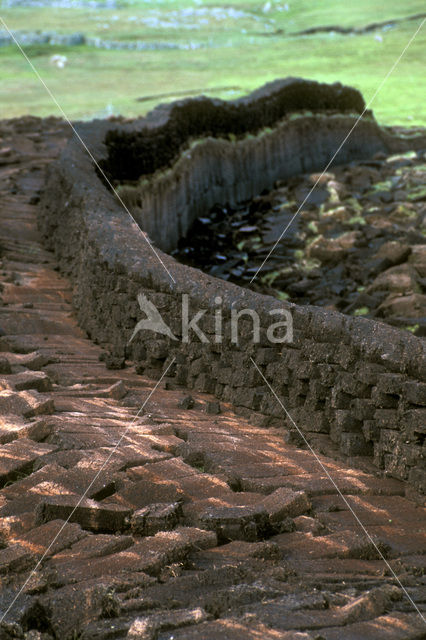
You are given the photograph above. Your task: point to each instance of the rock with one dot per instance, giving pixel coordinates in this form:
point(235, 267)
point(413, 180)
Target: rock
point(332, 250)
point(88, 513)
point(147, 628)
point(14, 427)
point(415, 392)
point(156, 517)
point(117, 391)
point(18, 457)
point(399, 279)
point(248, 522)
point(417, 259)
point(114, 362)
point(412, 306)
point(371, 604)
point(16, 558)
point(394, 252)
point(5, 366)
point(37, 380)
point(186, 403)
point(213, 408)
point(70, 609)
point(309, 525)
point(283, 503)
point(338, 214)
point(25, 403)
point(51, 537)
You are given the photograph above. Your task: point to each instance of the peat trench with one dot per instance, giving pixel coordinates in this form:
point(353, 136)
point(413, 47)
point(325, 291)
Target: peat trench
point(201, 525)
point(355, 385)
point(355, 245)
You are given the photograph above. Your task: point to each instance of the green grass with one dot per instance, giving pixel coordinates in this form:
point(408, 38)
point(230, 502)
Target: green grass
point(98, 82)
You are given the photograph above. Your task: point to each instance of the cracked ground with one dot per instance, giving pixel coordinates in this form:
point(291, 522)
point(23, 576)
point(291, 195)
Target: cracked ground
point(195, 524)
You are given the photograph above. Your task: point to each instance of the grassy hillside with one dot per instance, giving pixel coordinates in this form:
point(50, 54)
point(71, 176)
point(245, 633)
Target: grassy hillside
point(243, 45)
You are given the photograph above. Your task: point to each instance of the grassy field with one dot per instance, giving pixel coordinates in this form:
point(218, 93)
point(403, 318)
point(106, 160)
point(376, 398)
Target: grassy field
point(244, 44)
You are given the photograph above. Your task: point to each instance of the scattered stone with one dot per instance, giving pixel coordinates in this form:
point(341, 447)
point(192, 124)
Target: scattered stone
point(37, 380)
point(25, 403)
point(248, 522)
point(16, 558)
point(148, 628)
point(5, 367)
point(354, 226)
point(89, 514)
point(18, 457)
point(284, 503)
point(156, 517)
point(213, 408)
point(186, 403)
point(394, 252)
point(52, 537)
point(309, 525)
point(117, 391)
point(114, 362)
point(97, 546)
point(14, 427)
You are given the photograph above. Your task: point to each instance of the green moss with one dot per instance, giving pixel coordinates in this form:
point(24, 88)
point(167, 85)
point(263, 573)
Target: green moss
point(282, 295)
point(356, 220)
point(412, 328)
point(362, 311)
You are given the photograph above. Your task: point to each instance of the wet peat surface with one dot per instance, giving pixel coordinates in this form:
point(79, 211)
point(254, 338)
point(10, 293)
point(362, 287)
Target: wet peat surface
point(358, 243)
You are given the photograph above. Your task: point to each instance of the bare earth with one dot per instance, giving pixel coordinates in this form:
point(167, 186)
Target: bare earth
point(199, 525)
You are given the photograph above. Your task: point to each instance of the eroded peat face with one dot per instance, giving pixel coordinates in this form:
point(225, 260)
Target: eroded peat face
point(245, 307)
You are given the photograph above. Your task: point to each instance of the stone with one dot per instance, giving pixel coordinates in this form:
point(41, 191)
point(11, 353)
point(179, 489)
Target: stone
point(415, 392)
point(52, 537)
point(25, 403)
point(97, 546)
point(399, 279)
point(71, 608)
point(213, 408)
point(16, 558)
point(186, 403)
point(393, 626)
point(5, 367)
point(144, 493)
point(88, 513)
point(394, 252)
point(308, 525)
point(37, 380)
point(114, 362)
point(14, 427)
point(410, 306)
point(116, 391)
point(155, 517)
point(284, 503)
point(332, 250)
point(147, 628)
point(19, 456)
point(354, 444)
point(231, 522)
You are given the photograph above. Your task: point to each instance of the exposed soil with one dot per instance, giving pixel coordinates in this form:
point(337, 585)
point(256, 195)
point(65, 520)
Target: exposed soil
point(358, 244)
point(132, 155)
point(200, 525)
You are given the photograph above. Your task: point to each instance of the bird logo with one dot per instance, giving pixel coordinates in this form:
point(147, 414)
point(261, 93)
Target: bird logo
point(152, 322)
